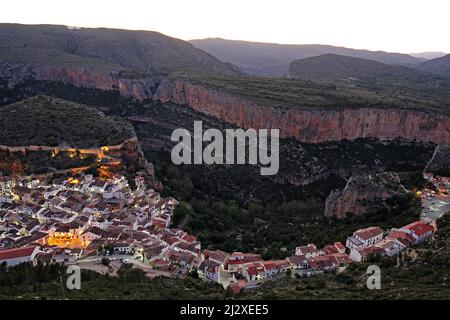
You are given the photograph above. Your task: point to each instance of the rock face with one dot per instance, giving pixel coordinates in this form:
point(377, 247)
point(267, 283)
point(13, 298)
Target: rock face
point(139, 89)
point(305, 125)
point(363, 195)
point(308, 125)
point(440, 162)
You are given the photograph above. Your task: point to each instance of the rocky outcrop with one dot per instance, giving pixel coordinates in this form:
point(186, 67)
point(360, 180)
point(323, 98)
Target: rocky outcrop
point(311, 125)
point(363, 195)
point(304, 124)
point(440, 162)
point(138, 89)
point(44, 159)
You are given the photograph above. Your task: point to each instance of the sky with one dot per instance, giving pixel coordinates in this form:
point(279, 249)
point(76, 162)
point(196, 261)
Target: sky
point(405, 26)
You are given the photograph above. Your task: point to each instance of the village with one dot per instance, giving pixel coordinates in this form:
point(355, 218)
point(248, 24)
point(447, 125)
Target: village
point(101, 222)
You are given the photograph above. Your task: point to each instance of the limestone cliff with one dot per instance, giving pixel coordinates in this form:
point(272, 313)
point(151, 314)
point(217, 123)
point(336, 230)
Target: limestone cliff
point(363, 195)
point(440, 162)
point(309, 125)
point(138, 89)
point(38, 159)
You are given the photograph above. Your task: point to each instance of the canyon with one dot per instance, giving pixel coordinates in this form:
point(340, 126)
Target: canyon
point(303, 124)
point(308, 125)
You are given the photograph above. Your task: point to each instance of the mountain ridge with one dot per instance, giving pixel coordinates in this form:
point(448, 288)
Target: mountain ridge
point(332, 67)
point(148, 52)
point(439, 66)
point(269, 59)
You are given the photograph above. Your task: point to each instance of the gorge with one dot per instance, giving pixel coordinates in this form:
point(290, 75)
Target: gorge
point(308, 125)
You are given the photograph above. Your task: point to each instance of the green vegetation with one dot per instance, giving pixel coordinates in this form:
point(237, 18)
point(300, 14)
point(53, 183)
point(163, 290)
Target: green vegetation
point(440, 66)
point(419, 273)
point(48, 121)
point(333, 67)
point(272, 59)
point(44, 282)
point(235, 209)
point(284, 92)
point(137, 53)
point(274, 230)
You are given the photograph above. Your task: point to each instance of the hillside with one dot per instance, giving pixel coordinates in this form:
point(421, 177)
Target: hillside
point(332, 67)
point(439, 66)
point(132, 52)
point(419, 273)
point(51, 122)
point(293, 93)
point(271, 59)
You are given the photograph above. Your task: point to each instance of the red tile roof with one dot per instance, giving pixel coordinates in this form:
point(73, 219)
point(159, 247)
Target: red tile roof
point(364, 252)
point(216, 255)
point(339, 246)
point(189, 238)
point(310, 248)
point(237, 286)
point(269, 265)
point(420, 228)
point(342, 258)
point(330, 249)
point(403, 237)
point(16, 253)
point(368, 233)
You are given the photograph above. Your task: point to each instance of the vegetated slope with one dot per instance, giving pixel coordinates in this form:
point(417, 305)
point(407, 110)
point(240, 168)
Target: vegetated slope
point(45, 121)
point(272, 59)
point(331, 67)
point(105, 49)
point(439, 66)
point(417, 273)
point(420, 274)
point(284, 92)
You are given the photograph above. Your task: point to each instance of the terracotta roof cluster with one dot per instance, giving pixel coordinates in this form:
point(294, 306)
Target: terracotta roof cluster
point(419, 228)
point(217, 255)
point(368, 233)
point(404, 238)
point(373, 250)
point(310, 248)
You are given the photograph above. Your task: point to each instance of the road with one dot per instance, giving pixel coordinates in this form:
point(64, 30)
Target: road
point(434, 205)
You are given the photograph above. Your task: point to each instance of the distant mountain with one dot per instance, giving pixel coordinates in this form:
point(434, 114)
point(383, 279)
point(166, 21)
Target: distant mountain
point(271, 59)
point(107, 49)
point(428, 55)
point(332, 67)
point(439, 66)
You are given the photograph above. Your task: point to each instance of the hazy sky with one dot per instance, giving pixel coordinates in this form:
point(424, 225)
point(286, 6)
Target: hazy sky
point(389, 25)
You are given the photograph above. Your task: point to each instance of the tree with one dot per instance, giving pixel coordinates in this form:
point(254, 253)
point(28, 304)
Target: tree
point(105, 261)
point(193, 273)
point(182, 211)
point(288, 273)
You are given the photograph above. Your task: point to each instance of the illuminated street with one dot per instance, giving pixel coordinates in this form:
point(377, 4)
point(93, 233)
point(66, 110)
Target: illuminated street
point(435, 203)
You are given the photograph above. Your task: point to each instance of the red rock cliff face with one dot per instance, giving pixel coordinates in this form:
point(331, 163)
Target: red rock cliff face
point(311, 126)
point(306, 125)
point(139, 89)
point(363, 195)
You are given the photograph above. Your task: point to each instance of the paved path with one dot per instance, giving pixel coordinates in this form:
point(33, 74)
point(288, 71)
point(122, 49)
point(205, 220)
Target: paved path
point(434, 205)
